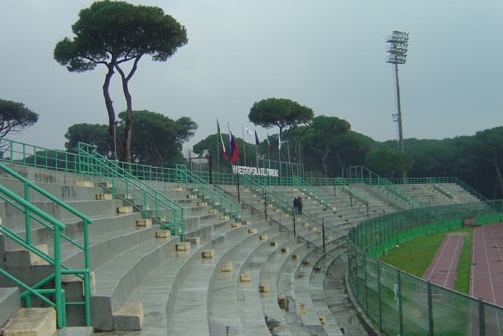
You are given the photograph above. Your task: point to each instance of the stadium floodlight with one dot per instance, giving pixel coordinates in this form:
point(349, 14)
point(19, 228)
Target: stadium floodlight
point(397, 49)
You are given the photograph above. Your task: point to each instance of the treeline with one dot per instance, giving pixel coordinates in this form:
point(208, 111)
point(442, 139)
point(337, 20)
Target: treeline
point(328, 148)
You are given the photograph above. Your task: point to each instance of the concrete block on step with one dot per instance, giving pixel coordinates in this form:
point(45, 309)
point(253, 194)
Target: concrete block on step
point(163, 234)
point(81, 183)
point(263, 287)
point(208, 254)
point(183, 246)
point(144, 222)
point(103, 197)
point(128, 316)
point(31, 321)
point(126, 209)
point(194, 240)
point(226, 267)
point(245, 277)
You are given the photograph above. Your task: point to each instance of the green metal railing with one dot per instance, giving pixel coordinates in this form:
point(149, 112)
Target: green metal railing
point(439, 180)
point(343, 186)
point(205, 191)
point(277, 200)
point(34, 156)
point(401, 304)
point(32, 216)
point(314, 193)
point(360, 174)
point(123, 185)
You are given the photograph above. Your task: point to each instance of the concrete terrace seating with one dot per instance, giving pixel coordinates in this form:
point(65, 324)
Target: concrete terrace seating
point(247, 277)
point(190, 313)
point(439, 193)
point(128, 250)
point(160, 288)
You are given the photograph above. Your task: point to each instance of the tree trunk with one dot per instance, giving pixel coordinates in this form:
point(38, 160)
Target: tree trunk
point(128, 129)
point(112, 123)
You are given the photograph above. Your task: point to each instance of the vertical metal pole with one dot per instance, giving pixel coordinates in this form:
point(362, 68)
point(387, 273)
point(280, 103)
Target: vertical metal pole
point(365, 284)
point(399, 107)
point(430, 308)
point(323, 234)
point(399, 298)
point(237, 185)
point(379, 293)
point(482, 326)
point(265, 202)
point(244, 144)
point(294, 232)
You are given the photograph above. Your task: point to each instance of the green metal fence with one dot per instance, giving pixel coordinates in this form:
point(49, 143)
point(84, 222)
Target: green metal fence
point(205, 191)
point(49, 289)
point(122, 184)
point(401, 304)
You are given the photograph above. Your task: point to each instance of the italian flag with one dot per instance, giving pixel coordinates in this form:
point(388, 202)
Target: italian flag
point(221, 141)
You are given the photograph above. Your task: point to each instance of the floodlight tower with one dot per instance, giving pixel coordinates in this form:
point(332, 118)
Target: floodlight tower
point(397, 49)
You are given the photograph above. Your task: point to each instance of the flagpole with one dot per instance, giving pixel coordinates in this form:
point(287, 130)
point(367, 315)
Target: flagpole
point(218, 148)
point(244, 143)
point(257, 142)
point(256, 156)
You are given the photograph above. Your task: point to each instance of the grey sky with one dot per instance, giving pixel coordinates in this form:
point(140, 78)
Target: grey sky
point(325, 54)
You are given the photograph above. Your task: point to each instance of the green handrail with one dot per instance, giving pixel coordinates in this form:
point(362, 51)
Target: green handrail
point(31, 212)
point(29, 155)
point(278, 200)
point(390, 190)
point(206, 191)
point(152, 203)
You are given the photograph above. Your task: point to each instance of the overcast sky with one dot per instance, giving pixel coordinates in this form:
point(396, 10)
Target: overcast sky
point(325, 54)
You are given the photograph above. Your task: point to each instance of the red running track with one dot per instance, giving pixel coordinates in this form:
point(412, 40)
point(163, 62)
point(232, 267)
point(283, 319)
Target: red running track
point(442, 270)
point(487, 264)
point(486, 275)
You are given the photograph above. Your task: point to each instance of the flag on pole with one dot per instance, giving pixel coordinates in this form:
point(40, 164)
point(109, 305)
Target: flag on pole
point(234, 152)
point(279, 141)
point(257, 142)
point(221, 141)
point(268, 143)
point(248, 131)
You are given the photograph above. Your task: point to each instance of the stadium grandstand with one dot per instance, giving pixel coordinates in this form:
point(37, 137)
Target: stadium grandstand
point(95, 246)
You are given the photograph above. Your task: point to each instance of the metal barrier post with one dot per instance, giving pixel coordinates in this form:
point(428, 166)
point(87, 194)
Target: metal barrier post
point(430, 309)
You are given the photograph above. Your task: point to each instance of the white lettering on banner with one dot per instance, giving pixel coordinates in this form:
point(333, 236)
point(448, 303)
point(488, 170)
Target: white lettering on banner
point(245, 170)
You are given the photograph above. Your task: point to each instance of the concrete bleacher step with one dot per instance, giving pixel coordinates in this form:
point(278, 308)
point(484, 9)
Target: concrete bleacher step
point(158, 291)
point(348, 317)
point(280, 303)
point(10, 303)
point(75, 331)
point(194, 293)
point(31, 321)
point(315, 283)
point(120, 275)
point(224, 295)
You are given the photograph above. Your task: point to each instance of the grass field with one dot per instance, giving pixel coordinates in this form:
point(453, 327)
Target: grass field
point(415, 256)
